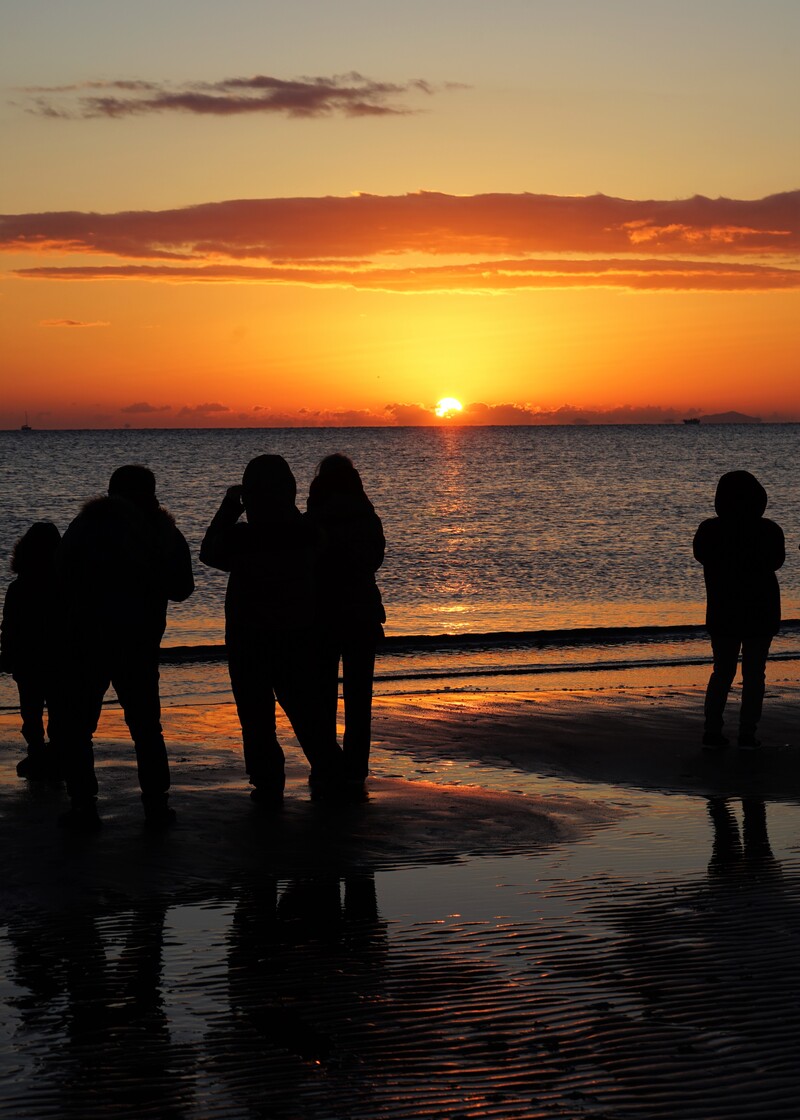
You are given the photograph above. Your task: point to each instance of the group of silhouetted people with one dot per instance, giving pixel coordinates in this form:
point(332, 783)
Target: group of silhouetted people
point(301, 597)
point(88, 610)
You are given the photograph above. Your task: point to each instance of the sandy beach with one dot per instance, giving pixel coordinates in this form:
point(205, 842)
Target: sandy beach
point(551, 904)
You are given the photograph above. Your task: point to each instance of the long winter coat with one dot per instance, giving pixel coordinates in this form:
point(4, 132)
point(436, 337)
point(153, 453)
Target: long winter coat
point(28, 624)
point(271, 585)
point(740, 551)
point(348, 597)
point(117, 568)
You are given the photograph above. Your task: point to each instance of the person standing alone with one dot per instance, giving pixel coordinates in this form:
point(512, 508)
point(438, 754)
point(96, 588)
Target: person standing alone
point(740, 550)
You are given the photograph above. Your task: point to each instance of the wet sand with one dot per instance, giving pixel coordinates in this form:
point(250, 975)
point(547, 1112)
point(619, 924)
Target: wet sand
point(549, 905)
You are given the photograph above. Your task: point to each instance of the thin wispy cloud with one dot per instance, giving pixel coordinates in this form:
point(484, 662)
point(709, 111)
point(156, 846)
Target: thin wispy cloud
point(350, 95)
point(72, 323)
point(418, 242)
point(485, 276)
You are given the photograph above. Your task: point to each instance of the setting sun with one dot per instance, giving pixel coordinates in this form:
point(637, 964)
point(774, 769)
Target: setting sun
point(448, 407)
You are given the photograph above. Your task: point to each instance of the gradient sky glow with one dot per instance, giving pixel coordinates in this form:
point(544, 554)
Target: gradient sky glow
point(317, 213)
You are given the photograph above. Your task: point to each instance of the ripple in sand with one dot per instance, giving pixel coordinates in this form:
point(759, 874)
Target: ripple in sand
point(561, 984)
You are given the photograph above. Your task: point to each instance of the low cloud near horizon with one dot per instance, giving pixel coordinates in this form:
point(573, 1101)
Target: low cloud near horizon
point(512, 241)
point(144, 406)
point(398, 414)
point(476, 414)
point(203, 409)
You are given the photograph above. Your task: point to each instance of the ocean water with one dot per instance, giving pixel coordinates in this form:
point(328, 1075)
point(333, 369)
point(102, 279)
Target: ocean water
point(488, 529)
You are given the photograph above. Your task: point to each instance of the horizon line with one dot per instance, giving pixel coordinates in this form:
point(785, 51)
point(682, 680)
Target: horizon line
point(755, 422)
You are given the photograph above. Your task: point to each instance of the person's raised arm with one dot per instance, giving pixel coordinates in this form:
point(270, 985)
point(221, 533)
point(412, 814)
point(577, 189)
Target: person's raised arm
point(216, 550)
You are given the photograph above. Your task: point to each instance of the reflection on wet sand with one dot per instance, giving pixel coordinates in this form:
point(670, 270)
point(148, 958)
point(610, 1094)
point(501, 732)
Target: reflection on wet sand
point(97, 1004)
point(305, 973)
point(572, 949)
point(728, 852)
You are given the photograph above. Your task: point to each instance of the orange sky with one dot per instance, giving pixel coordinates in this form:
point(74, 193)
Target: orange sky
point(185, 247)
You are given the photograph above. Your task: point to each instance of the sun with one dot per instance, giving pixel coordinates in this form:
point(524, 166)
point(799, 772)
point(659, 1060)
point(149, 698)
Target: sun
point(447, 407)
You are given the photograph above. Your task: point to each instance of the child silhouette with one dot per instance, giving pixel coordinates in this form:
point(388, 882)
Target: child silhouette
point(26, 641)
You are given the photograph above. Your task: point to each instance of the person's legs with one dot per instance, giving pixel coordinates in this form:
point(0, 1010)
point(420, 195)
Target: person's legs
point(135, 678)
point(325, 684)
point(31, 709)
point(306, 702)
point(255, 704)
point(358, 670)
point(31, 691)
point(74, 711)
point(726, 655)
point(754, 661)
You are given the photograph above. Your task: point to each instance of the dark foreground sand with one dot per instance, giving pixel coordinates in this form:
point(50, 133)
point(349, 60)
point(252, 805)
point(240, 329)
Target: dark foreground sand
point(584, 946)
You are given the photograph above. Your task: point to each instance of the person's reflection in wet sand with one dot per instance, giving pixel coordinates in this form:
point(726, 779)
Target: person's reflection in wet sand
point(305, 966)
point(701, 976)
point(728, 849)
point(111, 1048)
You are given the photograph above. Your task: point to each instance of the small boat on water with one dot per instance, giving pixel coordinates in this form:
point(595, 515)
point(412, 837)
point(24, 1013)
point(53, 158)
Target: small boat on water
point(692, 420)
point(26, 426)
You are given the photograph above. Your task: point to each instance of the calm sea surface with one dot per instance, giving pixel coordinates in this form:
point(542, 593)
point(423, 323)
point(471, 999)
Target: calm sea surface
point(488, 529)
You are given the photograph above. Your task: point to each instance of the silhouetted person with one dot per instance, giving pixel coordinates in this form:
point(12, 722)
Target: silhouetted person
point(120, 562)
point(740, 551)
point(26, 641)
point(349, 608)
point(268, 622)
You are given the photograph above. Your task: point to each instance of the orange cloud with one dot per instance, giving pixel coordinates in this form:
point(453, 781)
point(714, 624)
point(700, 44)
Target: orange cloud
point(365, 226)
point(692, 244)
point(483, 276)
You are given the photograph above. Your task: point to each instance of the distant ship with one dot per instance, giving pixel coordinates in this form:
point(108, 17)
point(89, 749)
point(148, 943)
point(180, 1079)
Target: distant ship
point(692, 420)
point(26, 426)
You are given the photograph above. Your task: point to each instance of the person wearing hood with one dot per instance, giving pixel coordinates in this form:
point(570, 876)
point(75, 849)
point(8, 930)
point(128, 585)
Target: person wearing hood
point(269, 607)
point(740, 550)
point(118, 565)
point(349, 608)
point(26, 642)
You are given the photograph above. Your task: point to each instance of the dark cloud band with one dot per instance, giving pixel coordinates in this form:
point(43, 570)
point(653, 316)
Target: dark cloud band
point(410, 242)
point(351, 95)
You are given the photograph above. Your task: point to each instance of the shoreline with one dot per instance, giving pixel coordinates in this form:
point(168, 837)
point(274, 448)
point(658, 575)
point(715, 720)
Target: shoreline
point(498, 639)
point(640, 733)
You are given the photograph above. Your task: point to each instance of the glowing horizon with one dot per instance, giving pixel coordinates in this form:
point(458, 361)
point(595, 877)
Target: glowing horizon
point(190, 237)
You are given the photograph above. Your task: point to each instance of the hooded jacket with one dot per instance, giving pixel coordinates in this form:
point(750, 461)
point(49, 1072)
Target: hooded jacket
point(270, 560)
point(740, 551)
point(348, 597)
point(28, 624)
point(116, 569)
